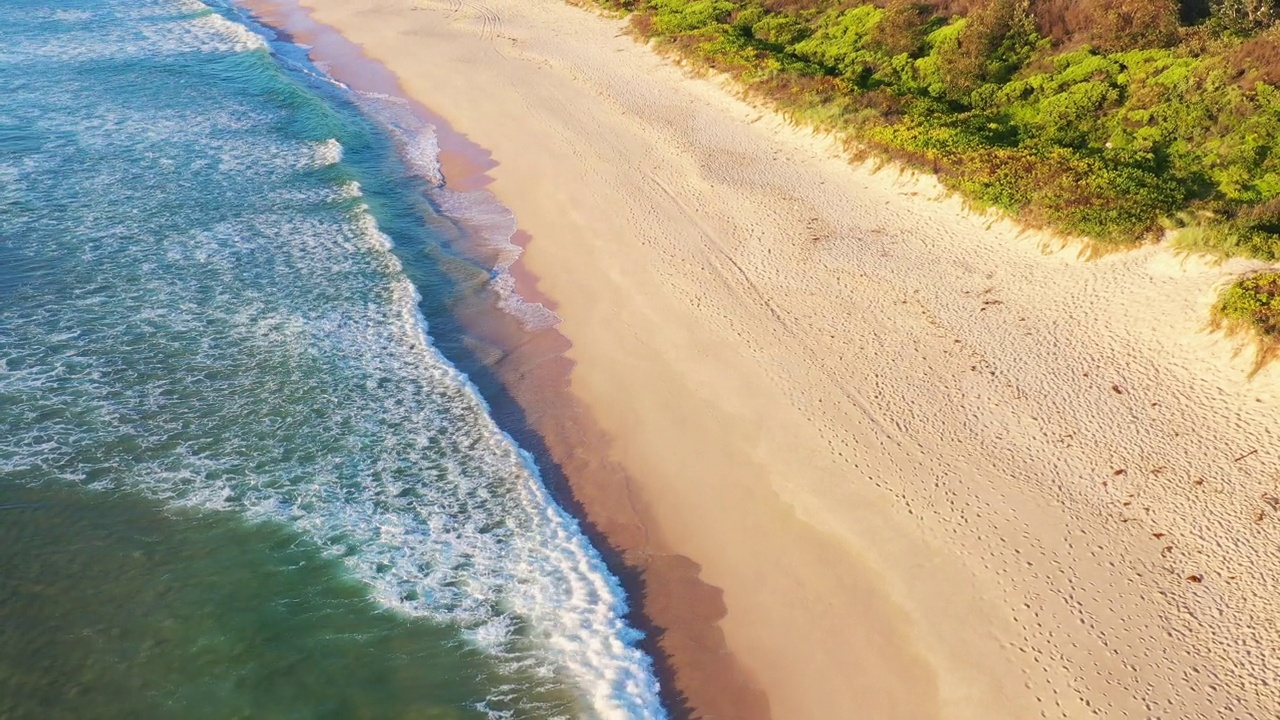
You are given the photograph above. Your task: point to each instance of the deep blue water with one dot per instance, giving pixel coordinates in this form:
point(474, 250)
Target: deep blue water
point(236, 477)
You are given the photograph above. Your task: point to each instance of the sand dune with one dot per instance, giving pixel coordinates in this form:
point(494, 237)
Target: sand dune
point(937, 471)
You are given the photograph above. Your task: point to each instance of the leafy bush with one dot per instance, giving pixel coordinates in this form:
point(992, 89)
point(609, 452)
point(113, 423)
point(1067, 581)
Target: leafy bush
point(840, 43)
point(1132, 24)
point(902, 28)
point(1257, 60)
point(1252, 305)
point(673, 17)
point(1244, 16)
point(999, 37)
point(1254, 301)
point(1063, 20)
point(782, 31)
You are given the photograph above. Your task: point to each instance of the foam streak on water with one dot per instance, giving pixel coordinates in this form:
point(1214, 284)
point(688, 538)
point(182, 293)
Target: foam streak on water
point(203, 301)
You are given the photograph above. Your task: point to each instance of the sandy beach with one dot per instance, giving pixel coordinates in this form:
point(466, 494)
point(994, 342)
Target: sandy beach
point(925, 467)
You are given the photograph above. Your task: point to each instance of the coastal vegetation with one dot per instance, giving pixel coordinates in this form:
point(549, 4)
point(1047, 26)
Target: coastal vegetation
point(1119, 121)
point(1252, 304)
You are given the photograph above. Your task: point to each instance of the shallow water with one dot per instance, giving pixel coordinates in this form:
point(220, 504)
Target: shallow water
point(215, 266)
point(113, 606)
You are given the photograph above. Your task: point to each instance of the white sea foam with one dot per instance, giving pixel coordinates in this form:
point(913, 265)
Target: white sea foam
point(481, 544)
point(328, 152)
point(493, 227)
point(357, 431)
point(153, 34)
point(213, 33)
point(415, 138)
point(71, 15)
point(488, 223)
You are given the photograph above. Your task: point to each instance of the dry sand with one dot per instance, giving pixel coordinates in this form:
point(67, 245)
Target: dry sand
point(936, 471)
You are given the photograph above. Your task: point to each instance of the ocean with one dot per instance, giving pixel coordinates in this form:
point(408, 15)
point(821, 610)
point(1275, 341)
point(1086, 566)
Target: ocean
point(238, 478)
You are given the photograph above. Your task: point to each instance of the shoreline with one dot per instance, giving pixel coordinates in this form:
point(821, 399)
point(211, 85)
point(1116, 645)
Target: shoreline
point(833, 391)
point(527, 389)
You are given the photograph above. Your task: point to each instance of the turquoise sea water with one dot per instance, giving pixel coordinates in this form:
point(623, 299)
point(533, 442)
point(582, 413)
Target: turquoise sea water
point(236, 477)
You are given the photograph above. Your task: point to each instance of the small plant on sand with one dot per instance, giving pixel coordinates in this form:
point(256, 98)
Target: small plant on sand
point(1251, 305)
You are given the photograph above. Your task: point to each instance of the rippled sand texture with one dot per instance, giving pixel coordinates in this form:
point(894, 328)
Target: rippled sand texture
point(937, 471)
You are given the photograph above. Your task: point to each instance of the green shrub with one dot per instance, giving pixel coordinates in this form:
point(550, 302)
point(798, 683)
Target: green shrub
point(1131, 24)
point(1252, 305)
point(674, 17)
point(902, 28)
point(840, 43)
point(998, 39)
point(1253, 301)
point(1244, 16)
point(1251, 231)
point(781, 30)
